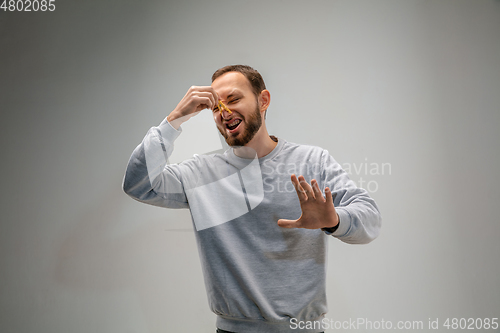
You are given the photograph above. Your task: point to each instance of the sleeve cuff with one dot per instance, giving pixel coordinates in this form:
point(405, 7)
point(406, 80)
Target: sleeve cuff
point(344, 223)
point(168, 132)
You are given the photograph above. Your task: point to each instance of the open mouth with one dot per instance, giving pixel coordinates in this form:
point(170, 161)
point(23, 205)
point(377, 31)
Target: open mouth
point(233, 125)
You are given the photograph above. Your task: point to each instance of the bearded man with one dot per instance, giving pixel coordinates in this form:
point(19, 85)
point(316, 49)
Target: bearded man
point(262, 211)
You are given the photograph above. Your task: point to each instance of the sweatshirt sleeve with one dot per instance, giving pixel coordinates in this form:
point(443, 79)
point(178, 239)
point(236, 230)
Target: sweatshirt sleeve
point(360, 219)
point(148, 177)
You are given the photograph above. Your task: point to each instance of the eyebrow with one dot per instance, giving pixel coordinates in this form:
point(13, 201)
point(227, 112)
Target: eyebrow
point(233, 92)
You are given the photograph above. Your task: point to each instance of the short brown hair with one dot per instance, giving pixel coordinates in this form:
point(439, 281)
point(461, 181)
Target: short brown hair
point(251, 74)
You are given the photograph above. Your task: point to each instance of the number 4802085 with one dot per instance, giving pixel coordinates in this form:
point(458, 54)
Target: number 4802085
point(28, 5)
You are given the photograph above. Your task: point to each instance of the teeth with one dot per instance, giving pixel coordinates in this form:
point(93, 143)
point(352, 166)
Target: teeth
point(235, 122)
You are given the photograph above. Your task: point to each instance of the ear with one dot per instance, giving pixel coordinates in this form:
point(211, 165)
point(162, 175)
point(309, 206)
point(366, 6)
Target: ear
point(264, 100)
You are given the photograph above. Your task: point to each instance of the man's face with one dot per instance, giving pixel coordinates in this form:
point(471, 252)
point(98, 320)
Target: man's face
point(239, 127)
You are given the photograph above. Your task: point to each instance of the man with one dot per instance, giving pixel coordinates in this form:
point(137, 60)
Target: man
point(262, 210)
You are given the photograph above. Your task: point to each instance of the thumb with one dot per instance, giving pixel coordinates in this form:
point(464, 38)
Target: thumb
point(288, 223)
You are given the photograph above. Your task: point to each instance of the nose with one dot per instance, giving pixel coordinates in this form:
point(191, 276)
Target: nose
point(225, 114)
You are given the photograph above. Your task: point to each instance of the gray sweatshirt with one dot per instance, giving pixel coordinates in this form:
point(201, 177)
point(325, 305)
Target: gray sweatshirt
point(259, 277)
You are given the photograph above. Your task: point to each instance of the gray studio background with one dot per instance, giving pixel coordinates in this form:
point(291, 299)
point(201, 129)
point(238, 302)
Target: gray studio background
point(410, 84)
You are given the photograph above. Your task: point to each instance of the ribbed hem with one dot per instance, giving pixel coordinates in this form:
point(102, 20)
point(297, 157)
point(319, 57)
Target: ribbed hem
point(261, 326)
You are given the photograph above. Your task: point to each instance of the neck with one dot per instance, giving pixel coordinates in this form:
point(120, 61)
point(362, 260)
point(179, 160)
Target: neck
point(261, 144)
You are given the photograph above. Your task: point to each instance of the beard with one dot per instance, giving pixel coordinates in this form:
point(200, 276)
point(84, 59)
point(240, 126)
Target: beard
point(252, 126)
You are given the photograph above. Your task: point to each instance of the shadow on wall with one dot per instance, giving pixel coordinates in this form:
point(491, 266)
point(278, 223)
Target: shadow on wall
point(92, 258)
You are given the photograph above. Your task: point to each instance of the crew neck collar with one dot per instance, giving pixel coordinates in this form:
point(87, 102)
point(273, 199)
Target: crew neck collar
point(232, 156)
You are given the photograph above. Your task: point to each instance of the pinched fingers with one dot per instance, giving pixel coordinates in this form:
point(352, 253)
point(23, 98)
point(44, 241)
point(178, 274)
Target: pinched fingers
point(202, 97)
point(197, 98)
point(204, 100)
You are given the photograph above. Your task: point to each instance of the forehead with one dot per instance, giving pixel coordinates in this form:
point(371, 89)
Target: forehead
point(231, 82)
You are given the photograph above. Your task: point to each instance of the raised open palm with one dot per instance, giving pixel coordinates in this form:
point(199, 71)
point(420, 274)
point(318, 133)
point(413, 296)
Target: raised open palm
point(317, 211)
